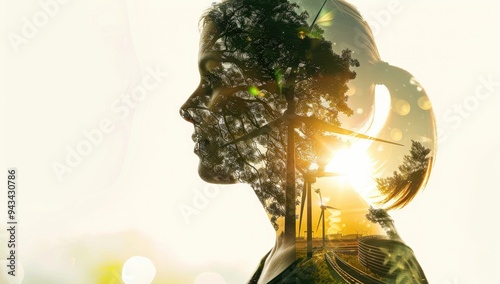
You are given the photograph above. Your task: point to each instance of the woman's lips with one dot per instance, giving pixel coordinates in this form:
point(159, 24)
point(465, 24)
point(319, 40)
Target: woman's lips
point(202, 145)
point(195, 137)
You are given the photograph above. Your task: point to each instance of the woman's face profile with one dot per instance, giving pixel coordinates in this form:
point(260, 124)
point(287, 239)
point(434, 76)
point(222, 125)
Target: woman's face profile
point(236, 96)
point(207, 135)
point(215, 108)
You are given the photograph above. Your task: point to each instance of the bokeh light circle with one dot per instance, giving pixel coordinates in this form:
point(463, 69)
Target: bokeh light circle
point(403, 107)
point(396, 134)
point(424, 103)
point(138, 270)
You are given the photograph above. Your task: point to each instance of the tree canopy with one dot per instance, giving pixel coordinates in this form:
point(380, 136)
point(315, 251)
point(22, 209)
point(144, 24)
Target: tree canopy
point(260, 52)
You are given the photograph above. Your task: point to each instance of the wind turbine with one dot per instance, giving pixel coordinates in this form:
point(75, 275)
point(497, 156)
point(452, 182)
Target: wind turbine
point(322, 216)
point(309, 179)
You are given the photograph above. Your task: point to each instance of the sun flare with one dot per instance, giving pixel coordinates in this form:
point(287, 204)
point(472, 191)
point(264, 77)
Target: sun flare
point(355, 167)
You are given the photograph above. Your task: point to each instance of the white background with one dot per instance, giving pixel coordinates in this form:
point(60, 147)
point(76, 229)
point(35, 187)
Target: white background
point(125, 197)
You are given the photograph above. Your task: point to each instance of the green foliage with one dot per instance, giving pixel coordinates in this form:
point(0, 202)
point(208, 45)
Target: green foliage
point(381, 217)
point(404, 184)
point(314, 270)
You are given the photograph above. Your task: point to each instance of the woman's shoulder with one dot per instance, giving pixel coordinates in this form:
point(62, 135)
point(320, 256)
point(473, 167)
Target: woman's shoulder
point(372, 260)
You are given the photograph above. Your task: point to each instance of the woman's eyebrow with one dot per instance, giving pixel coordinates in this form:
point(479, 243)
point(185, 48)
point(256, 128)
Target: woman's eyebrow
point(203, 62)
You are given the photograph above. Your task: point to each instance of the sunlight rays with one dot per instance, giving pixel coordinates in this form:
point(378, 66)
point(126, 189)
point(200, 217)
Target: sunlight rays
point(354, 163)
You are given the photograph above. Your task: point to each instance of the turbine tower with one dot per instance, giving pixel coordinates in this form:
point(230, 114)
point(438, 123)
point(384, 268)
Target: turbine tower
point(322, 216)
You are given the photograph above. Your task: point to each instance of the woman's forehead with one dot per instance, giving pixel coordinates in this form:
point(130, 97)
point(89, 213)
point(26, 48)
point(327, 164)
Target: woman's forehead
point(208, 37)
point(208, 54)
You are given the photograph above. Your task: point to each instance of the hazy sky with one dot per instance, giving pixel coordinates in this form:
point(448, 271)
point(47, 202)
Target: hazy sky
point(90, 97)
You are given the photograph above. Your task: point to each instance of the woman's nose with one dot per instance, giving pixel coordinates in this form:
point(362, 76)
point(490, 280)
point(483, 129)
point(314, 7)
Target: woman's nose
point(195, 101)
point(186, 115)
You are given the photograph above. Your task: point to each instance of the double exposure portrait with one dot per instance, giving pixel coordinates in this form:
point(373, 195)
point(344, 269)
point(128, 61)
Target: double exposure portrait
point(249, 141)
point(294, 91)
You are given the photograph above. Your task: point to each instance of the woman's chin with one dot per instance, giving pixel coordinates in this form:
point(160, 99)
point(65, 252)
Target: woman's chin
point(218, 177)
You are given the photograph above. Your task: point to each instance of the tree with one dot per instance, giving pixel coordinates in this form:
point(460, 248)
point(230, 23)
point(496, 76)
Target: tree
point(381, 217)
point(265, 57)
point(411, 176)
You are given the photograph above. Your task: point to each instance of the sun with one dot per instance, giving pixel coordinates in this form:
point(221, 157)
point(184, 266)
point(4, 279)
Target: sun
point(356, 168)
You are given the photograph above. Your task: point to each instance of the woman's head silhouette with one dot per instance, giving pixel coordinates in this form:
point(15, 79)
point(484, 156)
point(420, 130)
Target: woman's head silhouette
point(268, 66)
point(252, 51)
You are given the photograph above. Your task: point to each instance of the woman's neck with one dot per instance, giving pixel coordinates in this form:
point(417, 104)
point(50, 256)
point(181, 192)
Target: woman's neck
point(280, 258)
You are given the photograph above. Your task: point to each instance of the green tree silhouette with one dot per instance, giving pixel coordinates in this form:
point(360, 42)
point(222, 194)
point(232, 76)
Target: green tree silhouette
point(400, 188)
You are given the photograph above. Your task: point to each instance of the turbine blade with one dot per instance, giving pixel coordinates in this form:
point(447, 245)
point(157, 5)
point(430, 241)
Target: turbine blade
point(338, 130)
point(317, 15)
point(330, 207)
point(257, 132)
point(320, 217)
point(302, 207)
point(331, 174)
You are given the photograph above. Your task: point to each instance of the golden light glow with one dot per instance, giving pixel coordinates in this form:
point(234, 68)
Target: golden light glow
point(334, 220)
point(355, 163)
point(356, 168)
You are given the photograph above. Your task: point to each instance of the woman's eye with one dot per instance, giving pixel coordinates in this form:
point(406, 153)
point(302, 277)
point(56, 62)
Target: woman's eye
point(212, 81)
